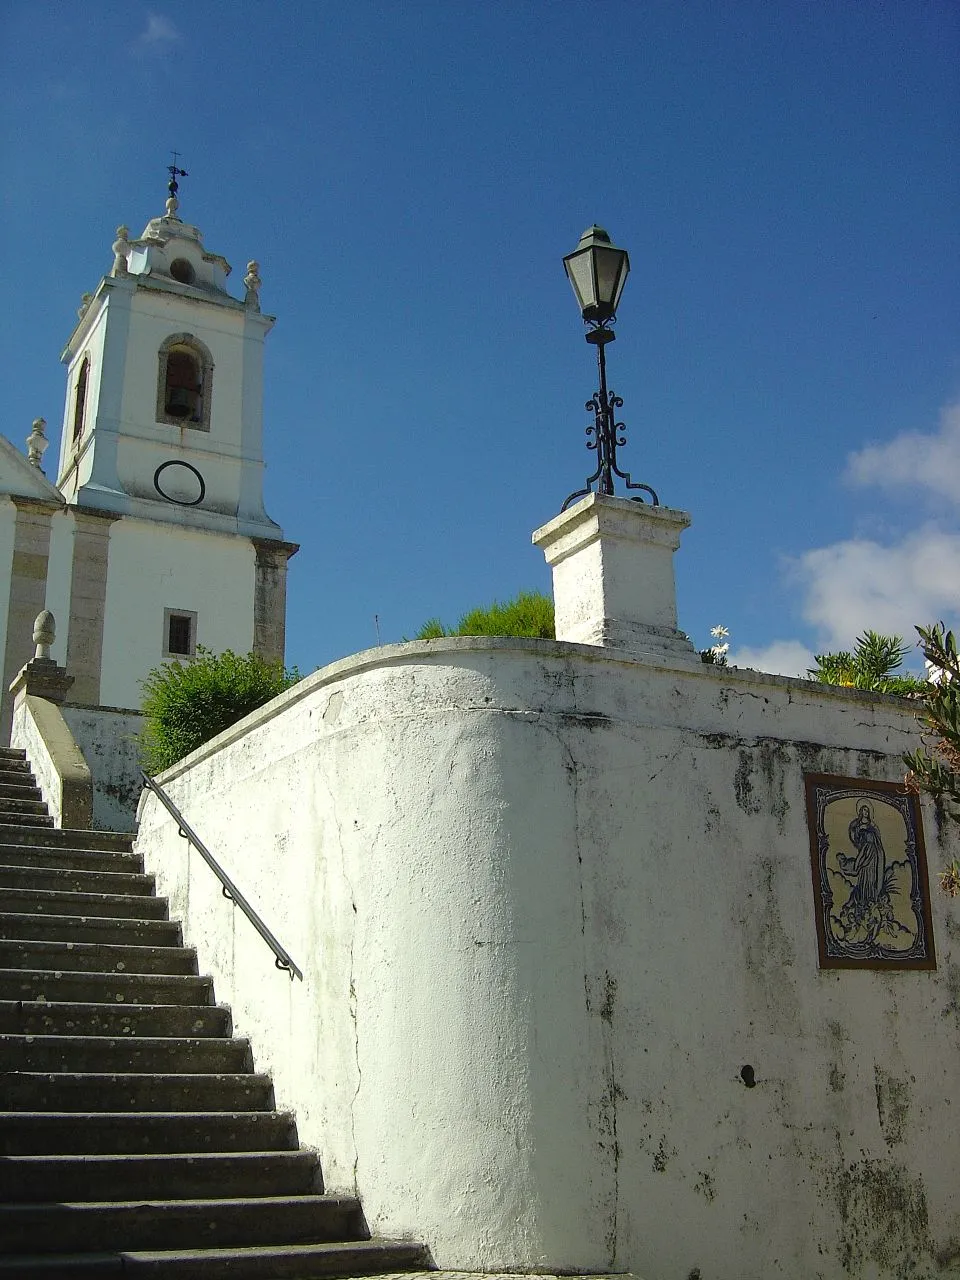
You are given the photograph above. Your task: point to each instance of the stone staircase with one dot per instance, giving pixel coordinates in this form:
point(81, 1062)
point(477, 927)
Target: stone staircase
point(135, 1136)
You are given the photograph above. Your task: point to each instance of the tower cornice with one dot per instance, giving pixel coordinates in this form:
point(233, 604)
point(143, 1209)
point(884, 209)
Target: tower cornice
point(130, 284)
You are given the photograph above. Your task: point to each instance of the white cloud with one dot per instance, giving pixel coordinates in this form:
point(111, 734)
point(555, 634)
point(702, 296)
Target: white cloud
point(853, 585)
point(160, 33)
point(914, 460)
point(781, 658)
point(860, 584)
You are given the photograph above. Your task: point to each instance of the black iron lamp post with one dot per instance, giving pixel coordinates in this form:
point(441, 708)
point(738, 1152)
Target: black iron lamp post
point(598, 271)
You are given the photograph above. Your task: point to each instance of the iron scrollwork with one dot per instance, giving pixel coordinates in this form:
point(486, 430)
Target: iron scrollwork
point(608, 434)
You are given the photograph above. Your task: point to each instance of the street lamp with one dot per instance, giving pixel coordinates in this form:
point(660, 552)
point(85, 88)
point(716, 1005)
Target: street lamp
point(598, 270)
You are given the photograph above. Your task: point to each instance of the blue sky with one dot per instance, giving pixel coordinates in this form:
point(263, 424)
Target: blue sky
point(409, 176)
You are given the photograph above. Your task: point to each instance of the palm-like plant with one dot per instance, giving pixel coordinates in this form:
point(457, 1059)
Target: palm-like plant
point(873, 665)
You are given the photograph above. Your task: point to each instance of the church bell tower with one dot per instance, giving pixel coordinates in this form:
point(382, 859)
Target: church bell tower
point(164, 413)
point(161, 466)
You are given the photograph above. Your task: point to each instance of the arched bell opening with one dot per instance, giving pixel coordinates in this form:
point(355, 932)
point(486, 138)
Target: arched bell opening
point(184, 383)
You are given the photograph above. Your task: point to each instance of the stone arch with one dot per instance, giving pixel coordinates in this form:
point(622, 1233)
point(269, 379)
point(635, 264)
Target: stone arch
point(184, 382)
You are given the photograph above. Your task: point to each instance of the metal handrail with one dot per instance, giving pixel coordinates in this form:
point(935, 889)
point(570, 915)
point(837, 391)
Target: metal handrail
point(230, 891)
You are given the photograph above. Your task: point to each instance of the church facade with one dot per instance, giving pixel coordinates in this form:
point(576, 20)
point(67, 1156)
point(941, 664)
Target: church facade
point(154, 538)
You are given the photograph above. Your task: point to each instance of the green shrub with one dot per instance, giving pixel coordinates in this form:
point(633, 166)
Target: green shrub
point(187, 703)
point(874, 664)
point(935, 768)
point(432, 629)
point(529, 614)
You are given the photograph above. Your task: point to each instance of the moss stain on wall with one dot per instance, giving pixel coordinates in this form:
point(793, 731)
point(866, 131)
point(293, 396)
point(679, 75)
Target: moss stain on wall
point(882, 1213)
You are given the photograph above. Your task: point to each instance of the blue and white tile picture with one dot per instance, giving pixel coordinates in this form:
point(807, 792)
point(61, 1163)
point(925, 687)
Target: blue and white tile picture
point(869, 874)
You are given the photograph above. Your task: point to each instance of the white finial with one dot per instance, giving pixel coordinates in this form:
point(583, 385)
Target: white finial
point(44, 633)
point(173, 204)
point(37, 443)
point(254, 284)
point(120, 247)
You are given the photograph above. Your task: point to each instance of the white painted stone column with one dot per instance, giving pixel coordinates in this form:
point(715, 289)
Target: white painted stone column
point(613, 582)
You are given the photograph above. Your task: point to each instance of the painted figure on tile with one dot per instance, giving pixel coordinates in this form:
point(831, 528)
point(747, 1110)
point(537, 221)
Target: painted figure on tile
point(870, 913)
point(866, 870)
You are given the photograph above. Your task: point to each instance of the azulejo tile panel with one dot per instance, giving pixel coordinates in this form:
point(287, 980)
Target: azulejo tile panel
point(870, 887)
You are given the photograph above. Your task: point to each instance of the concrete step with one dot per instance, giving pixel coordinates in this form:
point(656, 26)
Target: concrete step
point(77, 1091)
point(48, 902)
point(70, 838)
point(19, 821)
point(62, 880)
point(108, 1054)
point(29, 1179)
point(38, 1017)
point(95, 957)
point(186, 1223)
point(134, 933)
point(63, 986)
point(25, 855)
point(19, 779)
point(16, 774)
point(22, 788)
point(22, 804)
point(143, 1132)
point(267, 1262)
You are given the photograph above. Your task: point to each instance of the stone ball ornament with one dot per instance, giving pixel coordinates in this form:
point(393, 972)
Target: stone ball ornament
point(37, 443)
point(120, 248)
point(44, 633)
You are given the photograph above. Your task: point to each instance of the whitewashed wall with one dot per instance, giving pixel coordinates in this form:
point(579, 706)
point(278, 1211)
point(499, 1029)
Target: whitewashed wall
point(107, 736)
point(94, 347)
point(548, 904)
point(156, 567)
point(152, 567)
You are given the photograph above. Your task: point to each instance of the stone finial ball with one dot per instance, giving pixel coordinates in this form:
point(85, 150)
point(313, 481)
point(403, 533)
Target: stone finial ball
point(45, 628)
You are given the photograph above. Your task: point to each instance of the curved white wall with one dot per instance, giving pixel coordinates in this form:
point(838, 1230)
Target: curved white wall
point(548, 903)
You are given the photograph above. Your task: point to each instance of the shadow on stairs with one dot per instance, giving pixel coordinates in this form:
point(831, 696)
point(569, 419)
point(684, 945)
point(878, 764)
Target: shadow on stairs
point(135, 1136)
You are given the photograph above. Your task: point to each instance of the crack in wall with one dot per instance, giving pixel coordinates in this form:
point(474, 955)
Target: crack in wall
point(356, 1056)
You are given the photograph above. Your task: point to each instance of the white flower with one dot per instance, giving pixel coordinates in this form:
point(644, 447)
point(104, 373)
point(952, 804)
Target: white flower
point(719, 633)
point(718, 649)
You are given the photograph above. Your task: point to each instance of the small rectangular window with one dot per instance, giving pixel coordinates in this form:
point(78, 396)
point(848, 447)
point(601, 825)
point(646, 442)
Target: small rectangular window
point(179, 633)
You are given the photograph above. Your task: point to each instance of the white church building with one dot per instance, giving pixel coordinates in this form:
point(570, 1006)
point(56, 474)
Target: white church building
point(153, 538)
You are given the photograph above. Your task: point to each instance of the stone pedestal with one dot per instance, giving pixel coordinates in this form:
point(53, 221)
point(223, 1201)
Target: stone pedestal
point(42, 678)
point(613, 583)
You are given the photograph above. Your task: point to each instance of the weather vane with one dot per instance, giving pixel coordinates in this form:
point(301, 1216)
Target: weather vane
point(175, 172)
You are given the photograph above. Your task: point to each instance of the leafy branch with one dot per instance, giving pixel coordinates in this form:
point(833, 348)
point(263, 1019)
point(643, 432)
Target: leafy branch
point(935, 767)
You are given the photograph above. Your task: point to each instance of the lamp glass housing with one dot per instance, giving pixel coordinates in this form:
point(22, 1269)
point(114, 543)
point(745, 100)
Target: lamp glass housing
point(597, 270)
